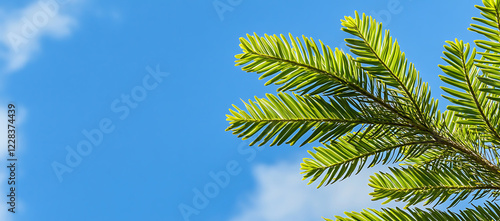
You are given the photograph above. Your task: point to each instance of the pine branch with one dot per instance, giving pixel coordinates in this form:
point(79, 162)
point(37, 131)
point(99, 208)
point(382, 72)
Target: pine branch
point(490, 211)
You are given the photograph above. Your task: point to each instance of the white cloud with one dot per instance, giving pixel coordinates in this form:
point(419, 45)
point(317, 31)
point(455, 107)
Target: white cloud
point(21, 30)
point(281, 195)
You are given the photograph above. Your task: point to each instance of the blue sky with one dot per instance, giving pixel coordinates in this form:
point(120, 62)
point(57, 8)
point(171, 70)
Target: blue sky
point(152, 83)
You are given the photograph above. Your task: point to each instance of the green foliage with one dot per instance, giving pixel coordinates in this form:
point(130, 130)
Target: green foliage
point(490, 211)
point(375, 109)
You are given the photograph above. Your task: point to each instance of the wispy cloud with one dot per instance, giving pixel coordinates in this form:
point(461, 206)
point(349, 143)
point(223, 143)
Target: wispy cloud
point(21, 30)
point(281, 195)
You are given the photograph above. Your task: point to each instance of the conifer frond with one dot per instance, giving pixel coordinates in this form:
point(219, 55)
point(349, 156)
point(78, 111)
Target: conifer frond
point(382, 58)
point(375, 109)
point(490, 211)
